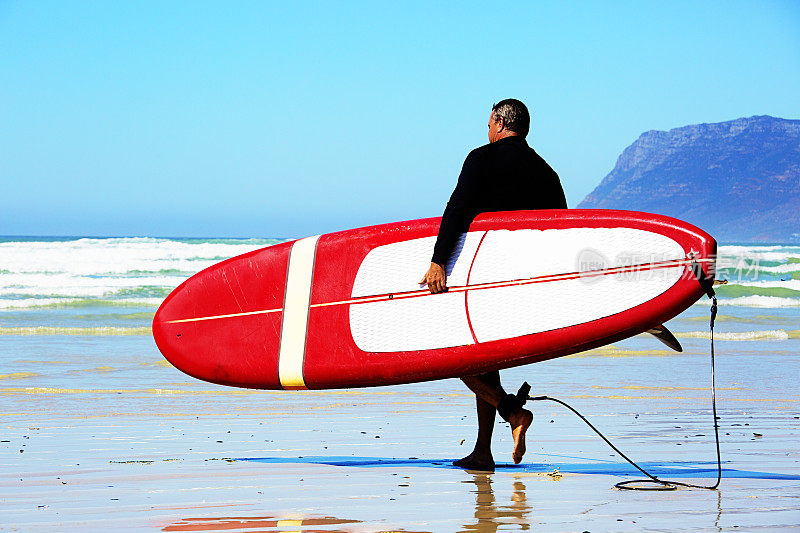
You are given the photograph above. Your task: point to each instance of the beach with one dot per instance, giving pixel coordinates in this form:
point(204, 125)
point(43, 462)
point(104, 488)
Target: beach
point(100, 432)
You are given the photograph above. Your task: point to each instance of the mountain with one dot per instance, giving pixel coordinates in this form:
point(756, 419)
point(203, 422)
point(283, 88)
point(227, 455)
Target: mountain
point(738, 180)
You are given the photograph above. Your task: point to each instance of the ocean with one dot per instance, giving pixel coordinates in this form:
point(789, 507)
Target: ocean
point(55, 288)
point(94, 419)
point(112, 286)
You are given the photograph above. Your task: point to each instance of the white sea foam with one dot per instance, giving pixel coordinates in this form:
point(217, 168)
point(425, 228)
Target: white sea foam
point(131, 270)
point(785, 268)
point(773, 334)
point(754, 301)
point(758, 253)
point(97, 257)
point(84, 331)
point(39, 303)
point(792, 284)
point(66, 285)
point(35, 302)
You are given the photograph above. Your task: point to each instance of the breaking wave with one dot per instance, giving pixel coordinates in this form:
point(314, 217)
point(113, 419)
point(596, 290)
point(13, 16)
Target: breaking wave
point(773, 334)
point(61, 273)
point(53, 273)
point(755, 301)
point(55, 330)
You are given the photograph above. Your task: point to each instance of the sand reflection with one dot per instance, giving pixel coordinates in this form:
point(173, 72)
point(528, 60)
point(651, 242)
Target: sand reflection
point(256, 522)
point(489, 515)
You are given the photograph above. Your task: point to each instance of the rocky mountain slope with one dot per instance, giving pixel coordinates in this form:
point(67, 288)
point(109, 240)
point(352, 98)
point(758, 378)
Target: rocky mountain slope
point(739, 180)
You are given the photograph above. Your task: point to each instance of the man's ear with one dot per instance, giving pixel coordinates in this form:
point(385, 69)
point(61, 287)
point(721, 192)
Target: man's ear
point(501, 124)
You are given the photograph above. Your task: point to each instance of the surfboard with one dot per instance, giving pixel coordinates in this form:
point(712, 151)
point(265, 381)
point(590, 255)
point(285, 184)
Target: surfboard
point(345, 309)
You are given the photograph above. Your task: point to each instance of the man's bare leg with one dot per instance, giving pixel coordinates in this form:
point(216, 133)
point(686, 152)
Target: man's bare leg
point(487, 387)
point(481, 456)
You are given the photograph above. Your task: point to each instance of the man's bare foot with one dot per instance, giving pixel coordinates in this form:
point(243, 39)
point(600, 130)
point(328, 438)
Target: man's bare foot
point(520, 421)
point(475, 461)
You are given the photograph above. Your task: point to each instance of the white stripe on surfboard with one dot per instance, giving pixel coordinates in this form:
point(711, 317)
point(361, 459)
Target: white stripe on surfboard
point(476, 287)
point(294, 324)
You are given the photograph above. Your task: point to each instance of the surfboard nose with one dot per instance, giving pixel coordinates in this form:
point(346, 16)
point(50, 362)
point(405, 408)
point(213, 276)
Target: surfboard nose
point(202, 349)
point(170, 340)
point(215, 328)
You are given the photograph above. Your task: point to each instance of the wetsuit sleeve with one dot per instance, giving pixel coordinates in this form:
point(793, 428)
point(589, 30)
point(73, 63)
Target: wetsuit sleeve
point(460, 210)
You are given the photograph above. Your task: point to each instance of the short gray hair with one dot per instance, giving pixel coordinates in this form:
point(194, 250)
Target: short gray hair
point(514, 114)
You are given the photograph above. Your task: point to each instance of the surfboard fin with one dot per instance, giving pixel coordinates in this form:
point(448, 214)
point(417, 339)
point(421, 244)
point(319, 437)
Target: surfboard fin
point(664, 335)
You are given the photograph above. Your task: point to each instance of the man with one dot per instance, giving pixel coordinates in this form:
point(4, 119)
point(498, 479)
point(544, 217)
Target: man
point(504, 175)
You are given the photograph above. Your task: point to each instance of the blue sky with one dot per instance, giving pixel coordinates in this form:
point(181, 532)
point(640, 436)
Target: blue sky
point(293, 118)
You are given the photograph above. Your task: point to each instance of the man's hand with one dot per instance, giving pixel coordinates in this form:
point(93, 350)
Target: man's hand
point(435, 278)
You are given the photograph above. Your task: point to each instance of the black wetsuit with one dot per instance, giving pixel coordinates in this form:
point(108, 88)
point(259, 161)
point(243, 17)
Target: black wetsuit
point(506, 175)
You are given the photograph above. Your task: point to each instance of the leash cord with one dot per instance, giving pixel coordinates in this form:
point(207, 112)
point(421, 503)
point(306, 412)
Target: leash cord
point(660, 484)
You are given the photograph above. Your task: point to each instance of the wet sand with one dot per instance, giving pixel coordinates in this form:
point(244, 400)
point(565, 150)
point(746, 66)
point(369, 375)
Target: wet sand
point(98, 442)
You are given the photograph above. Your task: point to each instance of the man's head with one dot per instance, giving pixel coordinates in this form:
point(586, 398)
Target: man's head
point(509, 117)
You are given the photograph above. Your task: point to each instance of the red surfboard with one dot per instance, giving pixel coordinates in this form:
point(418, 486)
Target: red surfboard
point(345, 309)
